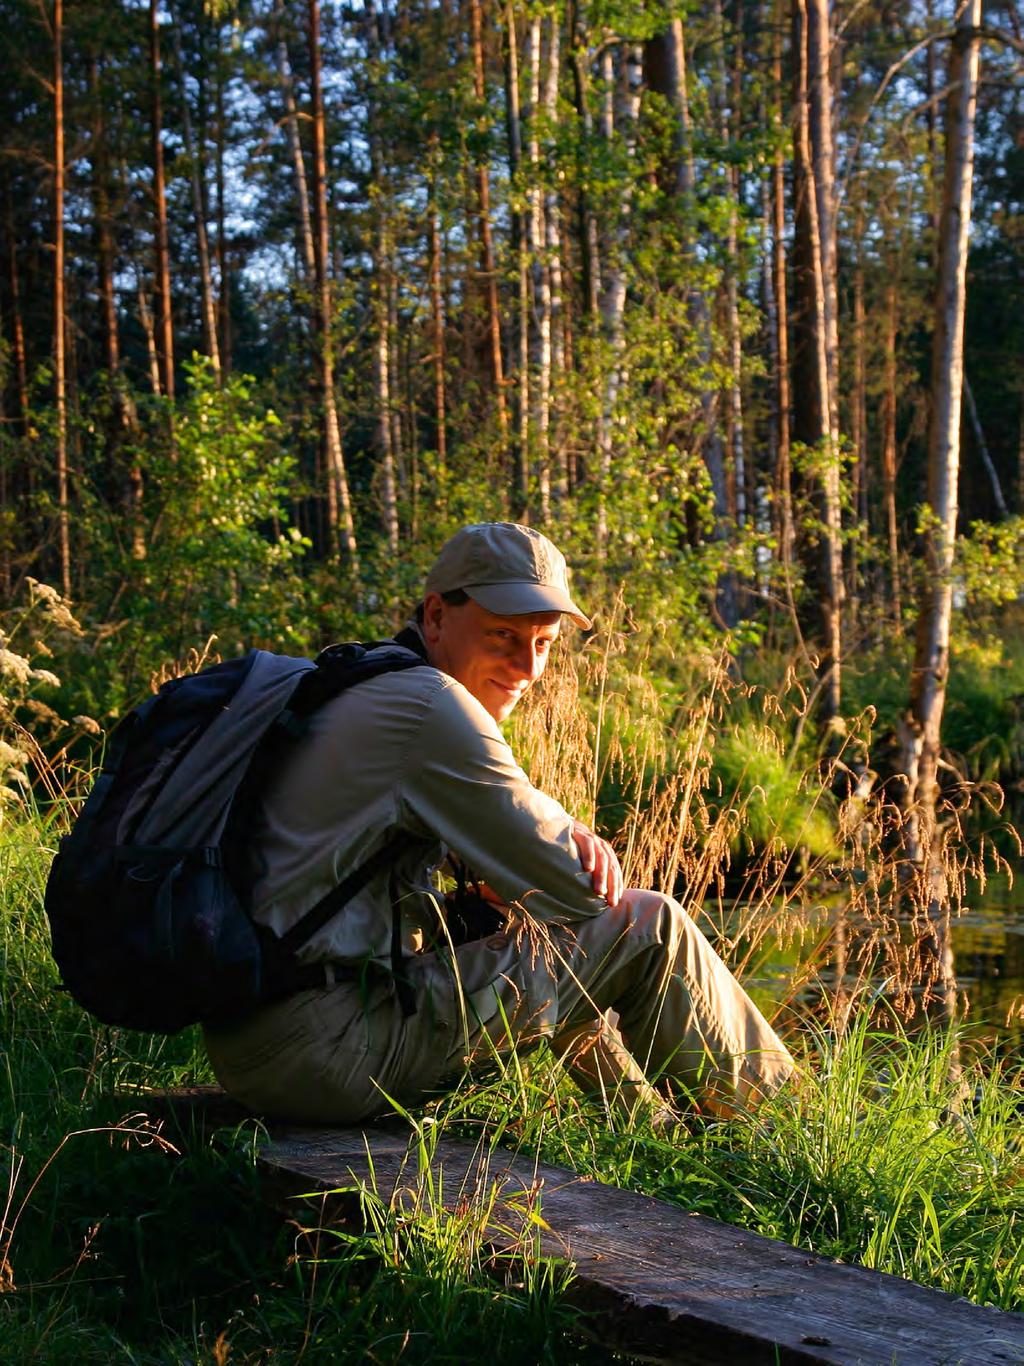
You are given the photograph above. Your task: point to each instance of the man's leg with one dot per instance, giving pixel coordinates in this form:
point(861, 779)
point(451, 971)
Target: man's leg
point(683, 1015)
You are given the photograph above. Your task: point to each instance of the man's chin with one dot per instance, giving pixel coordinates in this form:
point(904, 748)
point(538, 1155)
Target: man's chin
point(503, 710)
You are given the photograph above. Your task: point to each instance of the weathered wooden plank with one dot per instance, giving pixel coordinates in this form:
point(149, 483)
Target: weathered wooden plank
point(658, 1282)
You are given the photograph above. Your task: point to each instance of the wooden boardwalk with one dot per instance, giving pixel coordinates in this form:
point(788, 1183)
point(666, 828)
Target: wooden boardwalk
point(657, 1282)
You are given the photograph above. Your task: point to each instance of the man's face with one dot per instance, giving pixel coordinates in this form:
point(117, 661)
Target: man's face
point(495, 658)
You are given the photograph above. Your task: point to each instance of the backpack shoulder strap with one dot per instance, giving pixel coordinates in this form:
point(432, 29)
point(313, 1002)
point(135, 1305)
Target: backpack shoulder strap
point(338, 668)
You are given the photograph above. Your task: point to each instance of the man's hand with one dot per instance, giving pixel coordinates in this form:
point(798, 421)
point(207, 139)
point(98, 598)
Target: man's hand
point(599, 858)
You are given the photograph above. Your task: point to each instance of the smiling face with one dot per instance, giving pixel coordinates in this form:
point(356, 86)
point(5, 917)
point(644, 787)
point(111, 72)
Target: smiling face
point(495, 658)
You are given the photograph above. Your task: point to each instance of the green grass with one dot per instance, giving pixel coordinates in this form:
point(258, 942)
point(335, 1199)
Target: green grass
point(115, 1247)
point(892, 1153)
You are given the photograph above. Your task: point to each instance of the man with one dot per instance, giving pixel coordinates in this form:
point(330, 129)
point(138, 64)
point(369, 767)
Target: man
point(622, 982)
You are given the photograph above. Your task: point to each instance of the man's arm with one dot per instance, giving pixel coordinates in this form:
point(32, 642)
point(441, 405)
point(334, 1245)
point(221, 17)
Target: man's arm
point(462, 784)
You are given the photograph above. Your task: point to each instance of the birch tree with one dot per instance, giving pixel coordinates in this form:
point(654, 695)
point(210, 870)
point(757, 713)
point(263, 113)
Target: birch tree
point(930, 671)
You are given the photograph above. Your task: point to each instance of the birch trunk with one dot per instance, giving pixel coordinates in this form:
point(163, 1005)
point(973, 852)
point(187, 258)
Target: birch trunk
point(162, 272)
point(341, 525)
point(922, 729)
point(194, 158)
point(59, 378)
point(619, 118)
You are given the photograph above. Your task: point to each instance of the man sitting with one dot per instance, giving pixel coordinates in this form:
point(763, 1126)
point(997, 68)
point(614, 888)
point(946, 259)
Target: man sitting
point(621, 982)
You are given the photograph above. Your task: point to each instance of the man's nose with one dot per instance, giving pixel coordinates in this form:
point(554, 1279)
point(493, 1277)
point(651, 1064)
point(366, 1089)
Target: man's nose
point(529, 662)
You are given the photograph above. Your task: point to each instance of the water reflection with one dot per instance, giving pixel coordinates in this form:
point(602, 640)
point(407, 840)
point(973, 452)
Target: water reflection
point(988, 952)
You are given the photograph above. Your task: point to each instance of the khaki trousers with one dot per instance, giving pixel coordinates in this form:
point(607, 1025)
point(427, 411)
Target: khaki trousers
point(633, 994)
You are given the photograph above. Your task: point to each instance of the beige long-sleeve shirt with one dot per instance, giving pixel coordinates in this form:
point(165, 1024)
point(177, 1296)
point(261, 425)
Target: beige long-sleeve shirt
point(410, 752)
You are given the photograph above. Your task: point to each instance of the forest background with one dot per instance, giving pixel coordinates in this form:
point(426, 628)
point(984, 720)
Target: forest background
point(288, 296)
point(729, 299)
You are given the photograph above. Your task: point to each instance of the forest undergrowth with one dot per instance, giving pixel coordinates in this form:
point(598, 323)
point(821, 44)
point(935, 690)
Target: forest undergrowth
point(900, 1149)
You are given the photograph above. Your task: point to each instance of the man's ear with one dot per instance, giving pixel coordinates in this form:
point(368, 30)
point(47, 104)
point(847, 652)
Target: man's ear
point(433, 614)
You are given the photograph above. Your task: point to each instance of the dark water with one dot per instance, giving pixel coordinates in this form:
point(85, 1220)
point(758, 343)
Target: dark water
point(988, 952)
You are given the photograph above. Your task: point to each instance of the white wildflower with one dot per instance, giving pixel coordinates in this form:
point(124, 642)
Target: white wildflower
point(15, 667)
point(44, 676)
point(41, 592)
point(11, 756)
point(8, 797)
point(87, 725)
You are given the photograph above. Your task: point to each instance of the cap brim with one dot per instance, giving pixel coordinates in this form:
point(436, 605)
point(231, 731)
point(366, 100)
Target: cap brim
point(517, 599)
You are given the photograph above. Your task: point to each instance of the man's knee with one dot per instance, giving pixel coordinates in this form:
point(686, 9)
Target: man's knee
point(656, 914)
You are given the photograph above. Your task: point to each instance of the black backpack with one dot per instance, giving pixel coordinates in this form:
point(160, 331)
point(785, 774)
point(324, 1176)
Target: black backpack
point(147, 895)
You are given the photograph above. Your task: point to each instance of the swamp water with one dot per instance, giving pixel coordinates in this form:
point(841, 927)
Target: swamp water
point(988, 956)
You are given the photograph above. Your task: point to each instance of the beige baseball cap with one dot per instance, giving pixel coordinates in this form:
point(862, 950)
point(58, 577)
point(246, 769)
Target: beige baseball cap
point(507, 568)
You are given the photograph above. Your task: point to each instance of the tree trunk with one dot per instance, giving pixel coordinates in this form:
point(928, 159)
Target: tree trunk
point(148, 331)
point(888, 417)
point(728, 131)
point(223, 274)
point(380, 288)
point(195, 162)
point(59, 378)
point(124, 415)
point(162, 272)
point(291, 123)
point(437, 315)
point(986, 459)
point(17, 320)
point(540, 333)
point(590, 252)
point(487, 267)
point(858, 419)
point(620, 114)
point(520, 452)
point(340, 522)
point(667, 75)
point(816, 415)
point(553, 263)
point(922, 729)
point(783, 479)
point(104, 237)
